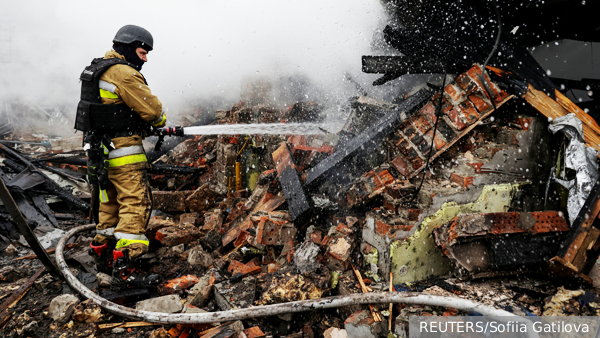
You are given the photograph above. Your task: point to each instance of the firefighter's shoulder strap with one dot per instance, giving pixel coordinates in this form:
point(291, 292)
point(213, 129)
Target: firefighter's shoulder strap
point(92, 115)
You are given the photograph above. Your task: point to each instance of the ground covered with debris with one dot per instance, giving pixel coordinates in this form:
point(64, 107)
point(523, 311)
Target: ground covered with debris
point(482, 186)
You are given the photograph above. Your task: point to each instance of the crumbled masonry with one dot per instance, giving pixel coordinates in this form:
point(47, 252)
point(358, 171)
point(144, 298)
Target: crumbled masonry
point(456, 187)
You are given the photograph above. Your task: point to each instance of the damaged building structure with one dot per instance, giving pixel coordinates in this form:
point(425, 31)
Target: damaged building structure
point(482, 186)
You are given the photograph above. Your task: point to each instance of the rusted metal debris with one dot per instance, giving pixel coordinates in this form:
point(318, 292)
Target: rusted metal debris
point(483, 243)
point(250, 220)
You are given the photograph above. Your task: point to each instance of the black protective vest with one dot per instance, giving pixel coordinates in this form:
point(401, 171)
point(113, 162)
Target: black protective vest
point(94, 116)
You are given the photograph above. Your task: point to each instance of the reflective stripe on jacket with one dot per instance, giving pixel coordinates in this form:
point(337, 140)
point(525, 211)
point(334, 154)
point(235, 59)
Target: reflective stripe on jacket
point(127, 155)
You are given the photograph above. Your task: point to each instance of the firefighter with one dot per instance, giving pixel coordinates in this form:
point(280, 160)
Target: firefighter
point(115, 113)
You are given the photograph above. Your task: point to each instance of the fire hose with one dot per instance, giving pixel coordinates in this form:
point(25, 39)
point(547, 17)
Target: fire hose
point(267, 310)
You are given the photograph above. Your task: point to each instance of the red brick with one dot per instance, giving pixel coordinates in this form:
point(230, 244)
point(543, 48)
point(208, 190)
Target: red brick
point(343, 229)
point(177, 284)
point(439, 143)
point(153, 227)
point(429, 112)
point(477, 166)
point(417, 162)
point(383, 179)
point(201, 199)
point(402, 166)
point(253, 262)
point(316, 237)
point(297, 140)
point(408, 150)
point(413, 214)
point(402, 143)
point(389, 206)
point(170, 200)
point(464, 81)
point(525, 123)
point(469, 112)
point(403, 227)
point(213, 220)
point(242, 238)
point(454, 93)
point(236, 267)
point(399, 189)
point(463, 181)
point(177, 235)
point(409, 131)
point(481, 106)
point(475, 73)
point(254, 332)
point(420, 122)
point(457, 119)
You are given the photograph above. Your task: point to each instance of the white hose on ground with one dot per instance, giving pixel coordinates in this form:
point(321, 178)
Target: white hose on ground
point(267, 310)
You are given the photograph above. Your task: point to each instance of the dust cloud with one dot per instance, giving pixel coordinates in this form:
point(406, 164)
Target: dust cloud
point(203, 50)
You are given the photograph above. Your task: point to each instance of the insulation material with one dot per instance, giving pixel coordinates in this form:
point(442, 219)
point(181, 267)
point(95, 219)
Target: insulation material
point(577, 157)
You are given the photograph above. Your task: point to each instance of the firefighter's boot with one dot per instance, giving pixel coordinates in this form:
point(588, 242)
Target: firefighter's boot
point(103, 256)
point(126, 273)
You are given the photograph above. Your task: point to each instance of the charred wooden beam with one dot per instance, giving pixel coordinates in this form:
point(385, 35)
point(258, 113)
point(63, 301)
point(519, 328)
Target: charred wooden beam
point(337, 166)
point(155, 169)
point(398, 65)
point(34, 217)
point(25, 230)
point(583, 84)
point(299, 203)
point(52, 188)
point(16, 296)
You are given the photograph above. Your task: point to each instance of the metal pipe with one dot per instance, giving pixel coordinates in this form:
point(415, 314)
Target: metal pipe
point(267, 310)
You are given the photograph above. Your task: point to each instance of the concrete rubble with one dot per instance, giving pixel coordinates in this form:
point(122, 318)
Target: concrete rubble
point(455, 188)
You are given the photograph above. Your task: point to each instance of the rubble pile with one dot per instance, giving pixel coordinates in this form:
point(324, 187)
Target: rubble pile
point(482, 188)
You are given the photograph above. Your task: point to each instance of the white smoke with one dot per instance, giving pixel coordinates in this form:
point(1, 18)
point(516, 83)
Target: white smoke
point(201, 49)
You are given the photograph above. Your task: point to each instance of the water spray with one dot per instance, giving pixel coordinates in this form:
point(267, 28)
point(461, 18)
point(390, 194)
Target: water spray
point(243, 129)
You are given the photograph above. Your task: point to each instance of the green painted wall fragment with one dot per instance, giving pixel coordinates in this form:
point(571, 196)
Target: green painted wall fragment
point(418, 258)
point(372, 258)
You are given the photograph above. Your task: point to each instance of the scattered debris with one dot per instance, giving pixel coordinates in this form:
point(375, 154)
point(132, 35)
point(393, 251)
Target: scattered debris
point(62, 307)
point(483, 185)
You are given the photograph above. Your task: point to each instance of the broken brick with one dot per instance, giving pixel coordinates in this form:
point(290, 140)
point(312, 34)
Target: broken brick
point(154, 225)
point(197, 256)
point(420, 123)
point(402, 165)
point(274, 231)
point(176, 285)
point(337, 256)
point(213, 220)
point(201, 199)
point(254, 332)
point(362, 324)
point(454, 93)
point(193, 218)
point(177, 235)
point(236, 267)
point(468, 111)
point(438, 142)
point(462, 181)
point(457, 119)
point(480, 104)
point(170, 200)
point(240, 294)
